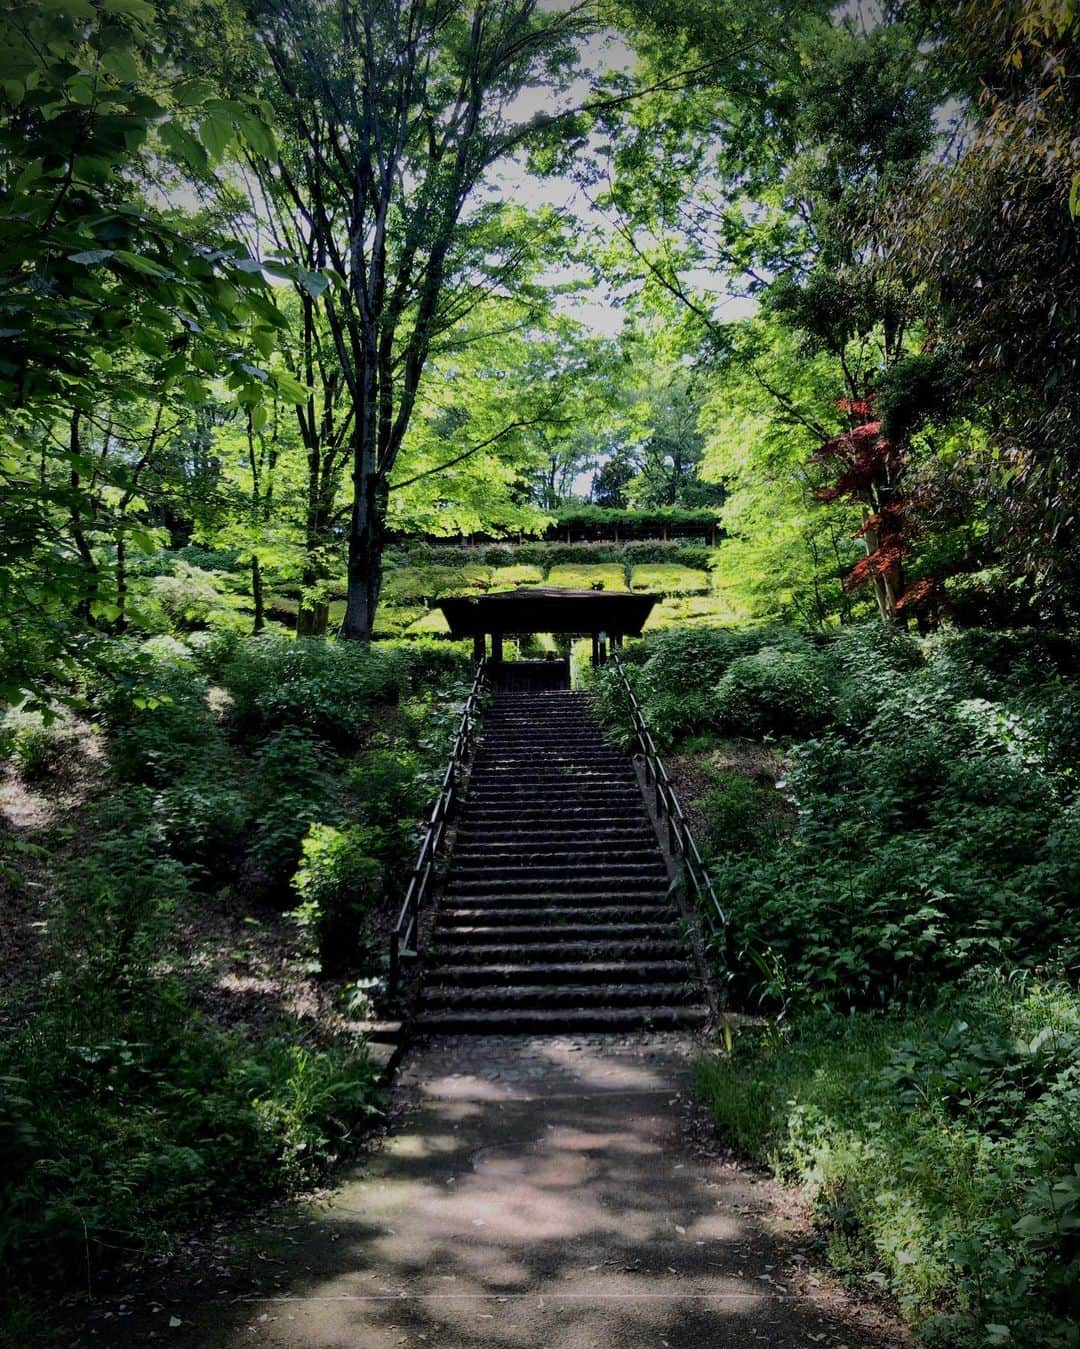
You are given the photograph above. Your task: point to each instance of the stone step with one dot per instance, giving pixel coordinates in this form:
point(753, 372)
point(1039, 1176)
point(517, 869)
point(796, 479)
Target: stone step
point(559, 973)
point(602, 892)
point(609, 926)
point(518, 912)
point(540, 770)
point(551, 853)
point(568, 835)
point(578, 753)
point(571, 879)
point(554, 791)
point(550, 996)
point(566, 809)
point(567, 952)
point(504, 811)
point(561, 1021)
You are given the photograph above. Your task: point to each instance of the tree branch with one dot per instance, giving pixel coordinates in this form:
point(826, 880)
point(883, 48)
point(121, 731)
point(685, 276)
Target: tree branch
point(467, 454)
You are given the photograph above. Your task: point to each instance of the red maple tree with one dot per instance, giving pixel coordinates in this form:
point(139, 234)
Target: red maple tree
point(869, 469)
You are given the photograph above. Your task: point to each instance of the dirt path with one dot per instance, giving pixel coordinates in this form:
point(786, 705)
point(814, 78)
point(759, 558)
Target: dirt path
point(545, 1192)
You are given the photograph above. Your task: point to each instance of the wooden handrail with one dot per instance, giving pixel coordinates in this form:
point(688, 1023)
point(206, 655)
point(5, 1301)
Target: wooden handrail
point(405, 937)
point(672, 817)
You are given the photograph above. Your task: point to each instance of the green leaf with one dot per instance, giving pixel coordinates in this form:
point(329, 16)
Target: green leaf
point(1074, 196)
point(72, 9)
point(314, 283)
point(184, 146)
point(258, 135)
point(92, 257)
point(216, 134)
point(264, 341)
point(121, 63)
point(132, 9)
point(289, 387)
point(144, 542)
point(190, 93)
point(140, 264)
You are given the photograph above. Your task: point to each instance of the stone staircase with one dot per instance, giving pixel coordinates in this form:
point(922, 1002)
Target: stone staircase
point(556, 914)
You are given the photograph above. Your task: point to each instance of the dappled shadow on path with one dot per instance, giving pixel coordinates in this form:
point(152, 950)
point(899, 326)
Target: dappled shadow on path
point(549, 1200)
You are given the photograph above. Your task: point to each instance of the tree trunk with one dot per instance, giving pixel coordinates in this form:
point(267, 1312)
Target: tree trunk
point(121, 582)
point(367, 534)
point(257, 595)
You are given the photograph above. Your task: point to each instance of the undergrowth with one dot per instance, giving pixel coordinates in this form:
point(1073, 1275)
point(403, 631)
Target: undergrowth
point(938, 1148)
point(907, 919)
point(260, 773)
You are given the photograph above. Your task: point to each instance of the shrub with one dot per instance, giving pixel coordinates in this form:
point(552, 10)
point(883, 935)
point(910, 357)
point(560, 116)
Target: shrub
point(190, 597)
point(394, 620)
point(432, 662)
point(772, 692)
point(123, 1119)
point(120, 890)
point(597, 576)
point(42, 750)
point(736, 816)
point(324, 686)
point(938, 1148)
point(509, 578)
point(212, 651)
point(156, 712)
point(293, 788)
point(339, 883)
point(668, 579)
point(203, 818)
point(406, 585)
point(430, 624)
point(690, 611)
point(680, 669)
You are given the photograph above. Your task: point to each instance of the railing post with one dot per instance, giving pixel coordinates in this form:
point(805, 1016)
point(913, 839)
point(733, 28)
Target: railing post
point(420, 877)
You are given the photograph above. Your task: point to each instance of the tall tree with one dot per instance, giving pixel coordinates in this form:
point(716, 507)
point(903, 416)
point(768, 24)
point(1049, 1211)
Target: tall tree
point(391, 113)
point(108, 303)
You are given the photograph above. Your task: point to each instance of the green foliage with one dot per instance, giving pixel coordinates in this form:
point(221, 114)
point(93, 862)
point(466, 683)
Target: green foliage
point(338, 882)
point(123, 1120)
point(189, 597)
point(937, 824)
point(735, 816)
point(938, 1148)
point(598, 576)
point(772, 692)
point(601, 522)
point(42, 750)
point(293, 789)
point(682, 671)
point(121, 891)
point(509, 578)
point(328, 688)
point(668, 579)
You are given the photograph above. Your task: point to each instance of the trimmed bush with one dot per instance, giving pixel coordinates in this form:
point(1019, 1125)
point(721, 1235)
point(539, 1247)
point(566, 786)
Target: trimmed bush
point(598, 576)
point(668, 579)
point(432, 624)
point(509, 578)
